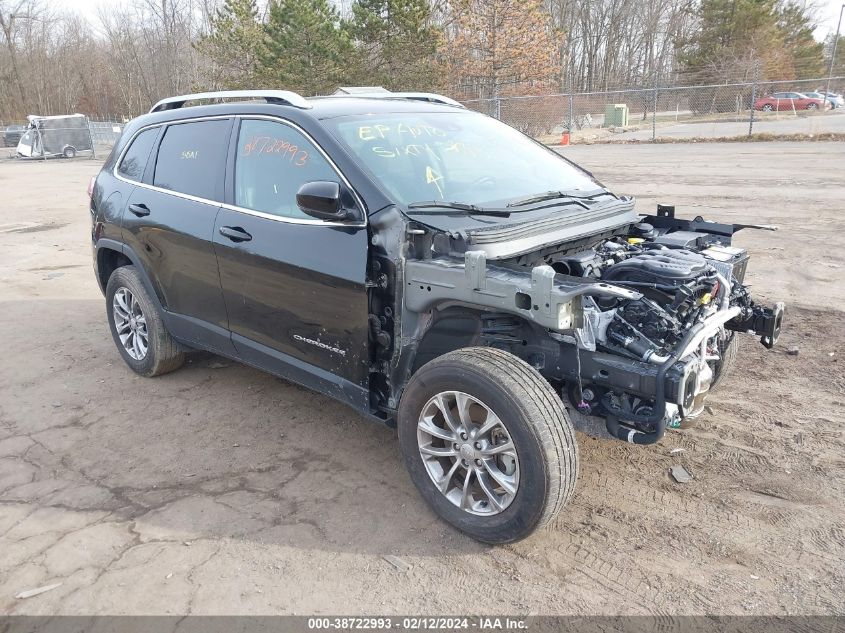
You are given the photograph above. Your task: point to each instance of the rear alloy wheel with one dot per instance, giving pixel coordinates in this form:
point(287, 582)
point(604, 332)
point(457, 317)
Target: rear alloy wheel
point(767, 108)
point(137, 328)
point(130, 324)
point(812, 106)
point(488, 443)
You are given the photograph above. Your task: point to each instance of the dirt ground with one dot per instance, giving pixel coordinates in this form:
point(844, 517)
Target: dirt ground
point(219, 489)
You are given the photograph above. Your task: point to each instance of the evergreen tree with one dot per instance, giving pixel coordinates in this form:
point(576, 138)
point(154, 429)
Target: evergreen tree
point(743, 40)
point(805, 54)
point(734, 42)
point(397, 42)
point(305, 48)
point(232, 44)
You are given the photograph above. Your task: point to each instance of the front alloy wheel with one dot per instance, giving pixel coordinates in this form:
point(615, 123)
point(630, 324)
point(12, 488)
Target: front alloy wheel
point(468, 453)
point(130, 323)
point(488, 443)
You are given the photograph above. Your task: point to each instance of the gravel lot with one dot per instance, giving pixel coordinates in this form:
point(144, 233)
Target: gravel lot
point(219, 489)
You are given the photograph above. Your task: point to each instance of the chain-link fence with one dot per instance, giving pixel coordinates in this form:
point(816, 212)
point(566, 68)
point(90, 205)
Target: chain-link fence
point(677, 112)
point(105, 133)
point(657, 113)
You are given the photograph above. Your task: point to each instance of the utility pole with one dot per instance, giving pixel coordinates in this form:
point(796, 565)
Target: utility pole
point(833, 52)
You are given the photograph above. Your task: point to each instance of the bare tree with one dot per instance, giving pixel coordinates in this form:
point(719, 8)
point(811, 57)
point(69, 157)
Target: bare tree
point(618, 43)
point(11, 15)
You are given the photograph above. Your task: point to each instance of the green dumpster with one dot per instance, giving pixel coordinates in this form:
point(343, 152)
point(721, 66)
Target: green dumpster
point(616, 115)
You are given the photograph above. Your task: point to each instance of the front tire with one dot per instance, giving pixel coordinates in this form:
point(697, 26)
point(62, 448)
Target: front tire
point(488, 443)
point(137, 328)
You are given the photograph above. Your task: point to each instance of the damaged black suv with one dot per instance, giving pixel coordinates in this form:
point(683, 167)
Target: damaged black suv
point(427, 265)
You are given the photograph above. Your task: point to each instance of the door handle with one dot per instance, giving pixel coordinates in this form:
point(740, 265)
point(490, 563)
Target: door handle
point(235, 233)
point(139, 209)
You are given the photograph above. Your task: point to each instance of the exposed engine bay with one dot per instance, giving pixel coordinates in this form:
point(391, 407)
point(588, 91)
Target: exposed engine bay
point(686, 279)
point(634, 325)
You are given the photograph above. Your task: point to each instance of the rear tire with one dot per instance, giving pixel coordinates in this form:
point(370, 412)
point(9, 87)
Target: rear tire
point(69, 152)
point(532, 422)
point(767, 108)
point(146, 346)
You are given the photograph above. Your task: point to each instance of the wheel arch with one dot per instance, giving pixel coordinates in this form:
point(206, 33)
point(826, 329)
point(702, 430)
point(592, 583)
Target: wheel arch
point(111, 255)
point(449, 326)
point(109, 259)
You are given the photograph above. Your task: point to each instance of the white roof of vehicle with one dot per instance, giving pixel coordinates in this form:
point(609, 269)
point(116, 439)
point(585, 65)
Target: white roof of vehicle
point(38, 117)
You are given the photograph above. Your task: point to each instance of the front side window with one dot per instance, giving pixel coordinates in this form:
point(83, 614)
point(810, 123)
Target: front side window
point(135, 159)
point(273, 161)
point(192, 157)
point(456, 157)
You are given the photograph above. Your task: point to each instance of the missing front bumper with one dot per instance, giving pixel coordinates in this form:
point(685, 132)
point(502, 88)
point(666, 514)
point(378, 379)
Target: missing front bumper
point(764, 322)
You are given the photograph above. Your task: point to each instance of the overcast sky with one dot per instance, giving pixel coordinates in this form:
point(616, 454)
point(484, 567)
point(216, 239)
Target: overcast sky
point(828, 11)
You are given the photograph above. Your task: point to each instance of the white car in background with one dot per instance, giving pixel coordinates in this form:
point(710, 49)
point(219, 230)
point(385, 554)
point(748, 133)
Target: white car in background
point(835, 100)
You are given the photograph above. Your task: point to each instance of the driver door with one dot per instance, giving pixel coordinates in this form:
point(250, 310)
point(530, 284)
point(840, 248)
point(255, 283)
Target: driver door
point(294, 286)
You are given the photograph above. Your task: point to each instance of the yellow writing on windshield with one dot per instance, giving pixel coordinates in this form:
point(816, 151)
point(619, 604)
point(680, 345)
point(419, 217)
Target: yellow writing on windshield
point(379, 131)
point(417, 149)
point(433, 178)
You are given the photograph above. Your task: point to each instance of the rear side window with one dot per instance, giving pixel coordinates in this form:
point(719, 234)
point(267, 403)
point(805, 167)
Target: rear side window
point(135, 159)
point(273, 161)
point(191, 158)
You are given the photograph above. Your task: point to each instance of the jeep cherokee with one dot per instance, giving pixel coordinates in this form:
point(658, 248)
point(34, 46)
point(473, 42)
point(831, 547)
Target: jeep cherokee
point(427, 265)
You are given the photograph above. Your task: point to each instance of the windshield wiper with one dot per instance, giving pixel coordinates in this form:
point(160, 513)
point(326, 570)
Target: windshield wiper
point(468, 209)
point(554, 195)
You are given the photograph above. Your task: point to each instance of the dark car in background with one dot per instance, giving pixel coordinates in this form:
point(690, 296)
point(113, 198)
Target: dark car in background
point(785, 101)
point(12, 135)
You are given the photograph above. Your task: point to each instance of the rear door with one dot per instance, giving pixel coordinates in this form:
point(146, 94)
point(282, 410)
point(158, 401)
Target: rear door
point(169, 223)
point(294, 285)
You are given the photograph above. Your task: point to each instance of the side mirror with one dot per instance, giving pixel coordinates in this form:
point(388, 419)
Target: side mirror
point(322, 199)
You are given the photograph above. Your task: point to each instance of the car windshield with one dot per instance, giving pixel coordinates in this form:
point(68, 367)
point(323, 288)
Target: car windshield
point(453, 156)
